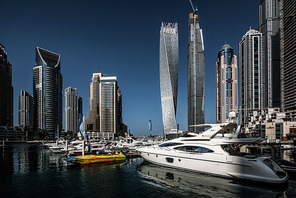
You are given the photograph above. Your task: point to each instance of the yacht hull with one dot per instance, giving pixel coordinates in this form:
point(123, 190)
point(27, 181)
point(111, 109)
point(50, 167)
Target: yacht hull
point(216, 164)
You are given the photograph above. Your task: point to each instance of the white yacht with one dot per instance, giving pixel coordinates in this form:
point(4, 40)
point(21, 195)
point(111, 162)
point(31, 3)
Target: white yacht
point(215, 151)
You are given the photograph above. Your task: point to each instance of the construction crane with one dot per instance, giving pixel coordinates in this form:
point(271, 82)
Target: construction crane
point(194, 9)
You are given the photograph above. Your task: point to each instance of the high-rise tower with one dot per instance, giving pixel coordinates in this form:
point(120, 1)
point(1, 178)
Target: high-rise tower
point(6, 89)
point(196, 74)
point(108, 104)
point(251, 74)
point(168, 66)
point(71, 110)
point(92, 121)
point(48, 89)
point(80, 107)
point(226, 83)
point(288, 57)
point(269, 26)
point(26, 109)
point(105, 113)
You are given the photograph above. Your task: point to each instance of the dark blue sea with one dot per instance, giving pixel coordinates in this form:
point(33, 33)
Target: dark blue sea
point(29, 170)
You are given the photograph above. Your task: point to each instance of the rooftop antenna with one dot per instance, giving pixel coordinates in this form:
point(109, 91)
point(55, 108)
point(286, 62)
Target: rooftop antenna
point(194, 9)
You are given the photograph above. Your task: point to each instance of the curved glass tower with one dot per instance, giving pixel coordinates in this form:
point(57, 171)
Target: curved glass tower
point(196, 74)
point(47, 88)
point(168, 66)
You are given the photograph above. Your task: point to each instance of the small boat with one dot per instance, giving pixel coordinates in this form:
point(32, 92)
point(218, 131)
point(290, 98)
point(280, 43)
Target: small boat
point(94, 148)
point(101, 158)
point(56, 149)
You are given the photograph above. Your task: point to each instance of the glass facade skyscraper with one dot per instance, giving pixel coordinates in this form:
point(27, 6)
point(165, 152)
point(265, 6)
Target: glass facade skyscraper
point(226, 83)
point(252, 88)
point(108, 104)
point(288, 57)
point(168, 66)
point(26, 109)
point(269, 26)
point(6, 89)
point(196, 74)
point(48, 89)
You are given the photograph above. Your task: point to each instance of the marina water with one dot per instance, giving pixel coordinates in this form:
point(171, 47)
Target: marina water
point(29, 170)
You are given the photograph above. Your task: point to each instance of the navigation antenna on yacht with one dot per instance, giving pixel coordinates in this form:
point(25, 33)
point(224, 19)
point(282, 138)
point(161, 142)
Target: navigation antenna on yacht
point(194, 9)
point(232, 117)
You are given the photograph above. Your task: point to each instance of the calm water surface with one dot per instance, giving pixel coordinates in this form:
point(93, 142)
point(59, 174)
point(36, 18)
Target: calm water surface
point(28, 170)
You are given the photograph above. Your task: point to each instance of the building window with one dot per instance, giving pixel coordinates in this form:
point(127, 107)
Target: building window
point(262, 131)
point(278, 134)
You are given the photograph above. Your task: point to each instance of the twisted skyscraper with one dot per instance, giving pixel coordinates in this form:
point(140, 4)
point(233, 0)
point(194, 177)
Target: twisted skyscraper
point(168, 66)
point(196, 74)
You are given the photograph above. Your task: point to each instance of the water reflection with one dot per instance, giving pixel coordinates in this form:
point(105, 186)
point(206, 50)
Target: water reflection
point(28, 170)
point(199, 184)
point(23, 158)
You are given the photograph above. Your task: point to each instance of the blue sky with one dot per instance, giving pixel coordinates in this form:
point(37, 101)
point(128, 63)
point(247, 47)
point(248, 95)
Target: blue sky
point(120, 38)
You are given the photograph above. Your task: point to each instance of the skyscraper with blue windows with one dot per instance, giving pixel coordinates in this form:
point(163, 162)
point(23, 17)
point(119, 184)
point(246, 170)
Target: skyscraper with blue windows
point(47, 91)
point(168, 66)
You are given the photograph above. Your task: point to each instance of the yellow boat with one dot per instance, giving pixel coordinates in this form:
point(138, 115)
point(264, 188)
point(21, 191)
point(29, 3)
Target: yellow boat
point(90, 159)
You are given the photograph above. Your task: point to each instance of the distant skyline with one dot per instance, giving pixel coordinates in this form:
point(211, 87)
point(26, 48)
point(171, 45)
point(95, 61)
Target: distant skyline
point(120, 38)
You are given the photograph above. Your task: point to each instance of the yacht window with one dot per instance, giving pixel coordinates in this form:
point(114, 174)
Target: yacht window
point(170, 144)
point(203, 150)
point(197, 149)
point(188, 135)
point(231, 150)
point(170, 160)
